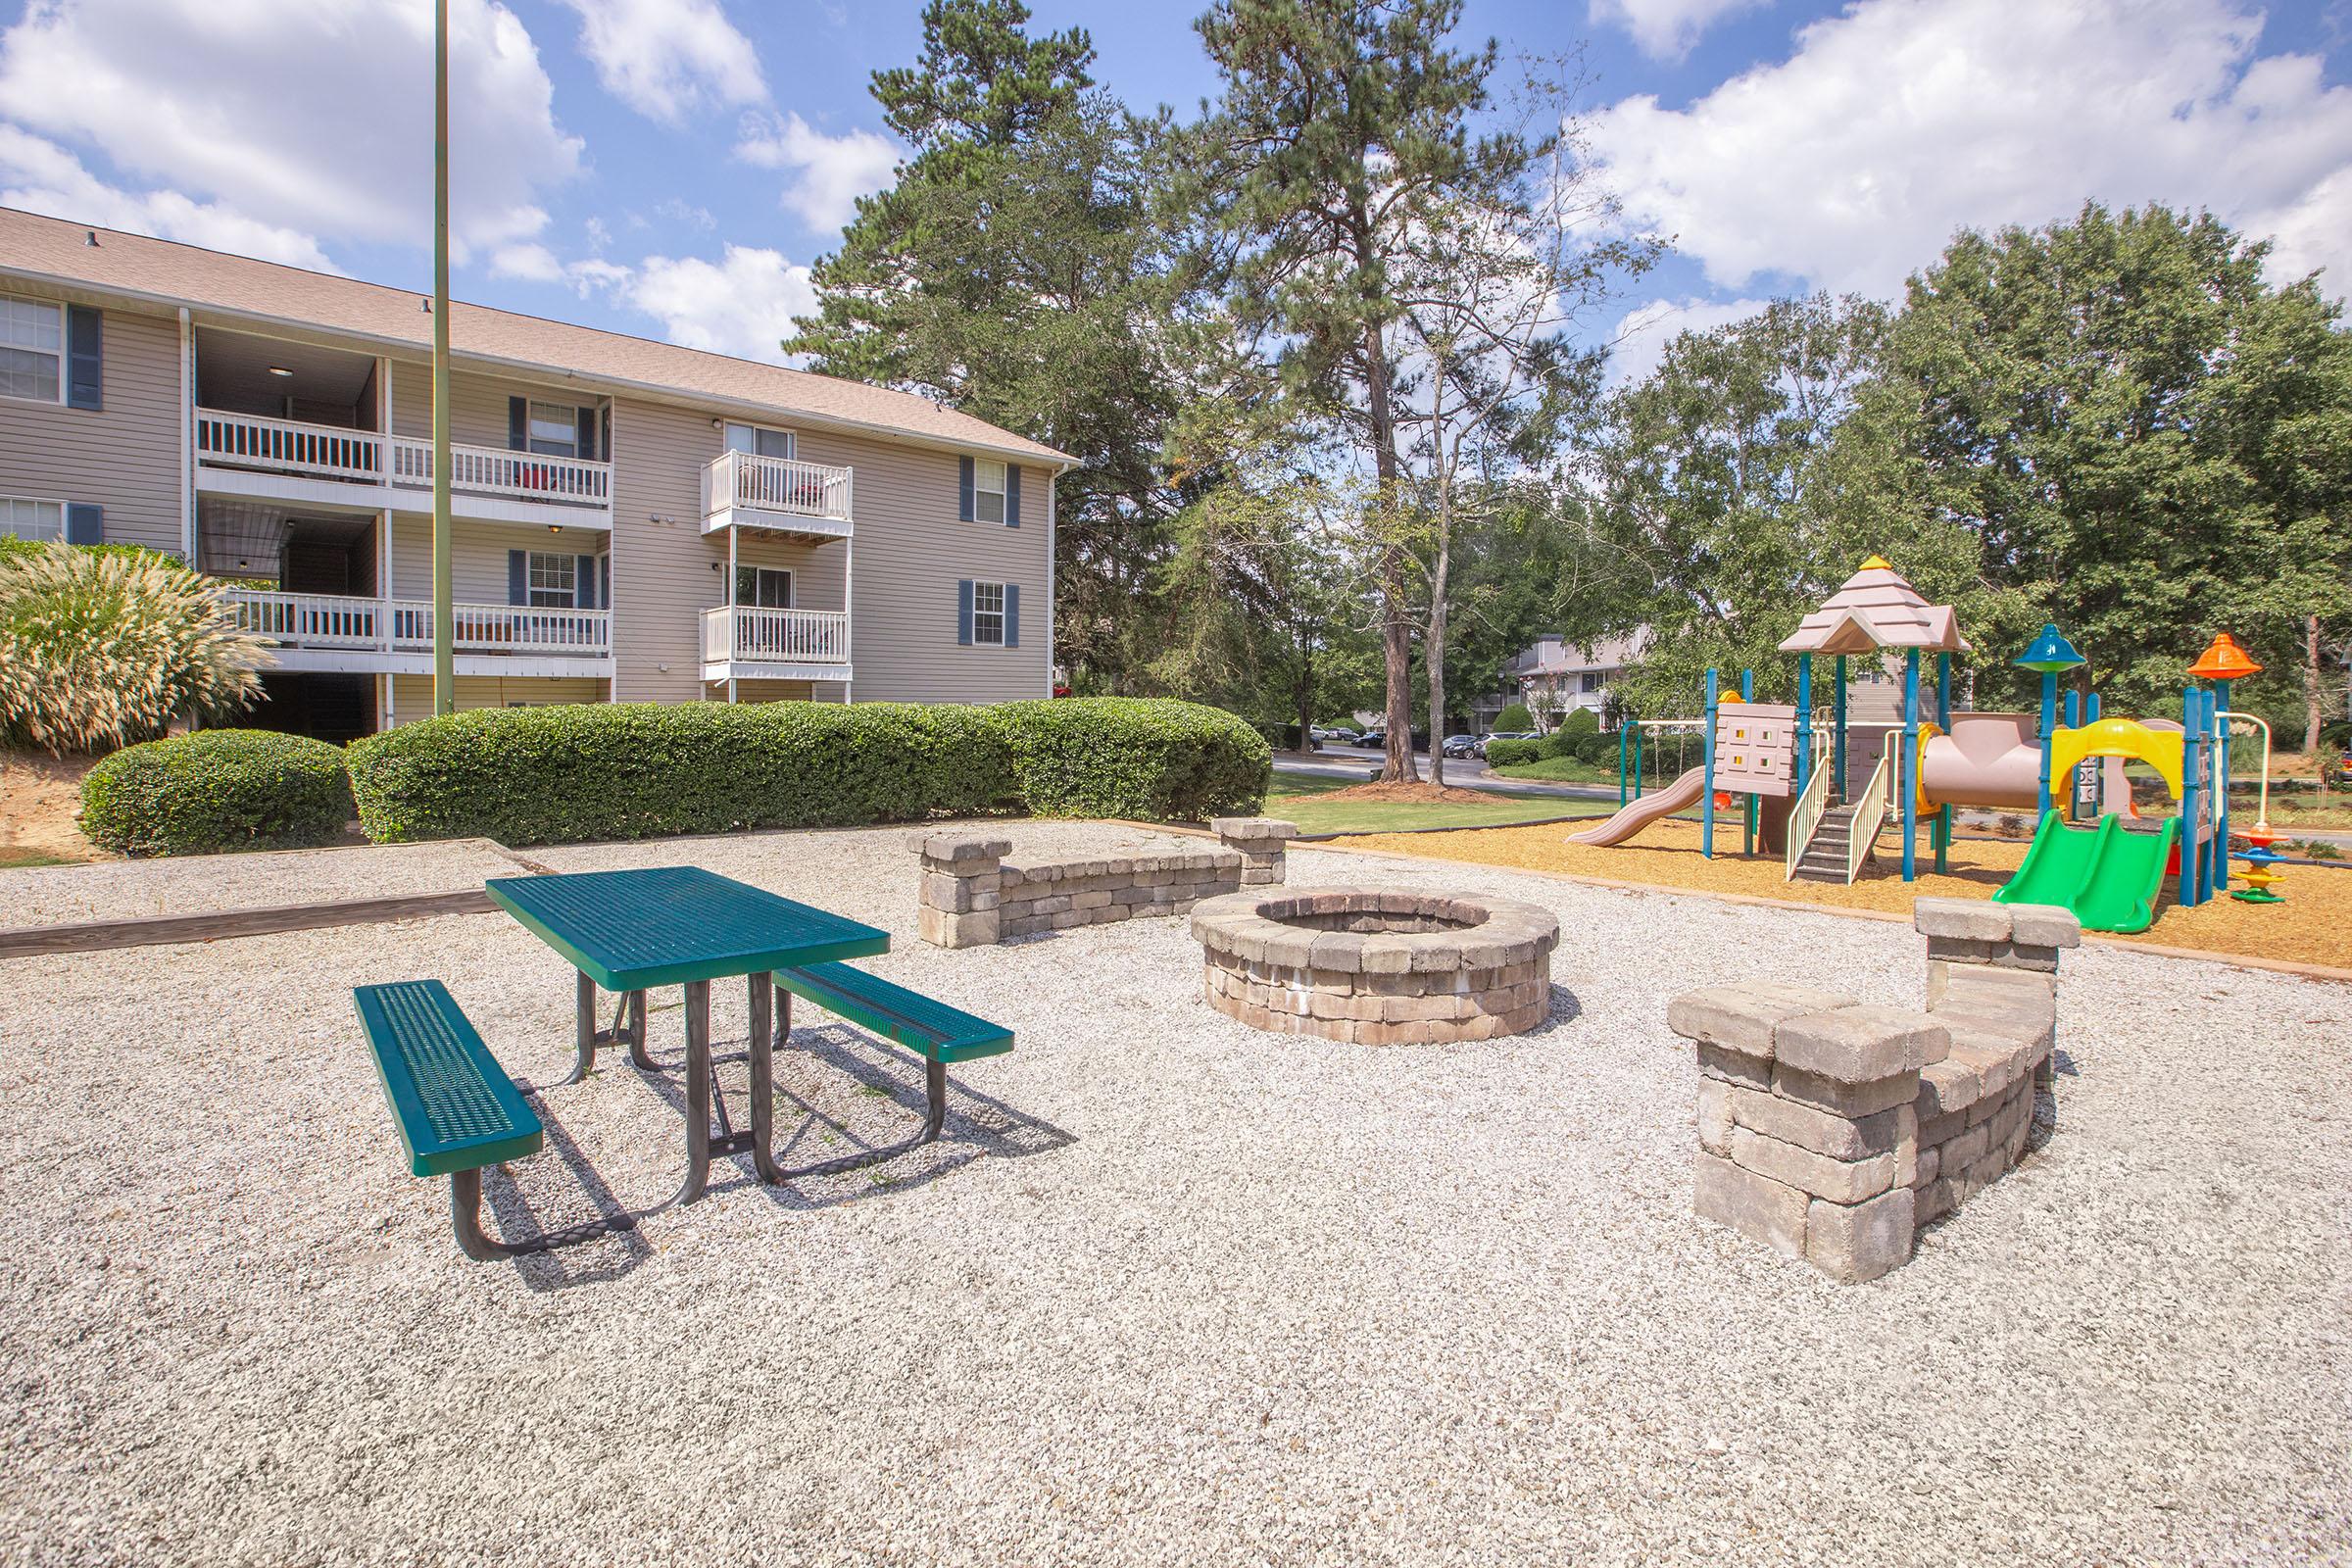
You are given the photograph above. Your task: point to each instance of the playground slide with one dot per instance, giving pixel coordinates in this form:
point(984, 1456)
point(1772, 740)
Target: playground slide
point(2108, 875)
point(1684, 792)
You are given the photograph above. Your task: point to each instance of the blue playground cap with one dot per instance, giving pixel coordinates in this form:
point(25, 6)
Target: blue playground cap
point(2050, 652)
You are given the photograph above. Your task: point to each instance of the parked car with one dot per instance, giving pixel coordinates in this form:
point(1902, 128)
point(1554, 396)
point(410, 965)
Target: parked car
point(1335, 737)
point(1377, 739)
point(1461, 746)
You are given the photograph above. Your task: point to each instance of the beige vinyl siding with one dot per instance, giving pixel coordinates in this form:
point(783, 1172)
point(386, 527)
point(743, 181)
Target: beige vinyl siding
point(413, 694)
point(912, 553)
point(478, 555)
point(477, 404)
point(787, 691)
point(123, 457)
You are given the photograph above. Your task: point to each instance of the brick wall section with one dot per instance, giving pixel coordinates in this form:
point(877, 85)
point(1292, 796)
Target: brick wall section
point(1833, 1131)
point(971, 897)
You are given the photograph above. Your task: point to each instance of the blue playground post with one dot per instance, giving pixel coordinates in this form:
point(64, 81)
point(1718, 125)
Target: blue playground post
point(2049, 653)
point(1943, 721)
point(1804, 722)
point(1747, 836)
point(1837, 740)
point(1906, 774)
point(2049, 724)
point(1706, 809)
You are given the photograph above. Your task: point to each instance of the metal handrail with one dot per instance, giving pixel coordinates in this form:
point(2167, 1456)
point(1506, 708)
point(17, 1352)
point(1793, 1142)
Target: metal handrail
point(1805, 817)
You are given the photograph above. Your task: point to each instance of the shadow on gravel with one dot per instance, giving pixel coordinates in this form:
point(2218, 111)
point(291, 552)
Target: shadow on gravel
point(607, 1257)
point(1565, 1008)
point(977, 1124)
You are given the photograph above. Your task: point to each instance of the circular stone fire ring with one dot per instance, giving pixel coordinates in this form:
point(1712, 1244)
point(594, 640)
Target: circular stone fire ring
point(1377, 968)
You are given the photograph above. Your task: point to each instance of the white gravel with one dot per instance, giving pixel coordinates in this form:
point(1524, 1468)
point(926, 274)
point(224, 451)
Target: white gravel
point(1172, 1291)
point(212, 884)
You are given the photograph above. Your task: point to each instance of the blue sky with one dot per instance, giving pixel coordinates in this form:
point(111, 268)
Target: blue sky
point(670, 167)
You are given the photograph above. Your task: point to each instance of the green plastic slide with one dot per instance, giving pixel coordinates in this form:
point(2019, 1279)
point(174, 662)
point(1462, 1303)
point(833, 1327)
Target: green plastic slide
point(2108, 875)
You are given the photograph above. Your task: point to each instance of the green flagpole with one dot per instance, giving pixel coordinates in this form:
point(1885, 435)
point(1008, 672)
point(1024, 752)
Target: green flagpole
point(445, 684)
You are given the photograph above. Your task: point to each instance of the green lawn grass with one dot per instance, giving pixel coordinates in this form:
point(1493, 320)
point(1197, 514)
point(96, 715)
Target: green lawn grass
point(1297, 798)
point(1564, 770)
point(13, 858)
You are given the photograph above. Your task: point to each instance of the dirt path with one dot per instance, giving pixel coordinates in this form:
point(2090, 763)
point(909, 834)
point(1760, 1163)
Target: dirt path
point(39, 795)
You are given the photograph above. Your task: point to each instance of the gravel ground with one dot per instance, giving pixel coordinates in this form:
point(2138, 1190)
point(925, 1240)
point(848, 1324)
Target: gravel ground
point(1170, 1291)
point(210, 884)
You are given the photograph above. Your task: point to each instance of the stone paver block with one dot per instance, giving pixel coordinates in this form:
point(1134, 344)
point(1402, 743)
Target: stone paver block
point(1841, 1181)
point(1857, 1241)
point(1755, 1205)
point(1809, 1127)
point(1974, 920)
point(1715, 1115)
point(1254, 830)
point(946, 929)
point(1860, 1045)
point(958, 848)
point(1851, 1100)
point(1948, 1087)
point(1742, 1017)
point(2044, 925)
point(1733, 1066)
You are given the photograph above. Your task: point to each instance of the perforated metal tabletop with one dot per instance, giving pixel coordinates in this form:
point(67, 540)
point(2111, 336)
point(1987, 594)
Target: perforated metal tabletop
point(634, 930)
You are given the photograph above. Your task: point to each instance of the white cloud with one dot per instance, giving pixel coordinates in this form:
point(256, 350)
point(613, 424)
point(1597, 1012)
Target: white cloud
point(40, 177)
point(1850, 164)
point(1639, 341)
point(1665, 30)
point(294, 120)
point(833, 172)
point(665, 58)
point(529, 260)
point(742, 305)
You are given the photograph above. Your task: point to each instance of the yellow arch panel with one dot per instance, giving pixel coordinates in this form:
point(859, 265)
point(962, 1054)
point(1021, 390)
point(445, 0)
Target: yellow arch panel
point(2160, 748)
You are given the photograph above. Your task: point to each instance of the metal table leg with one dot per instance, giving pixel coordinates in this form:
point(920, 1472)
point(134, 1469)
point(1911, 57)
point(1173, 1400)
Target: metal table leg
point(637, 1050)
point(764, 997)
point(583, 1029)
point(697, 1090)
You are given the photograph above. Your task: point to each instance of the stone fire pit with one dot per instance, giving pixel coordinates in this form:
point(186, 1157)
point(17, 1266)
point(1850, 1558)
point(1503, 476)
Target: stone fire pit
point(1377, 968)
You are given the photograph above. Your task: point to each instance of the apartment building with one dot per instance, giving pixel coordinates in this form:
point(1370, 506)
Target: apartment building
point(631, 520)
point(1553, 677)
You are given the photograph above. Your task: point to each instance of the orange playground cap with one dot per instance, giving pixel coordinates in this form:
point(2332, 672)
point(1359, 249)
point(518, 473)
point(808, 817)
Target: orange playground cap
point(2223, 660)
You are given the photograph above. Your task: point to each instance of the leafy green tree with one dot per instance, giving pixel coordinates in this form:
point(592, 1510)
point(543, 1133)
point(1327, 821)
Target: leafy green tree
point(1514, 719)
point(2149, 442)
point(1015, 272)
point(1342, 127)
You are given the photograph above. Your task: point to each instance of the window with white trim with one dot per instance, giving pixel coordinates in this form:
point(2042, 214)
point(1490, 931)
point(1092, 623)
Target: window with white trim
point(988, 608)
point(764, 587)
point(760, 441)
point(1590, 681)
point(32, 350)
point(22, 517)
point(555, 430)
point(554, 581)
point(988, 491)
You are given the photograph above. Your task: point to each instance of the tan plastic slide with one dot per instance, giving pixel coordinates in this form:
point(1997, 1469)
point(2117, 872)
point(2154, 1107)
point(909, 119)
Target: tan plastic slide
point(1638, 814)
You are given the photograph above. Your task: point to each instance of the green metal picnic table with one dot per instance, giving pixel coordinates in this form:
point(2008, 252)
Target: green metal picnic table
point(629, 931)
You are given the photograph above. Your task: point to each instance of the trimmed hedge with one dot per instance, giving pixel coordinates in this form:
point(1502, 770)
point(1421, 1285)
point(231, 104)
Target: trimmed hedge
point(1513, 754)
point(600, 770)
point(217, 790)
point(1149, 757)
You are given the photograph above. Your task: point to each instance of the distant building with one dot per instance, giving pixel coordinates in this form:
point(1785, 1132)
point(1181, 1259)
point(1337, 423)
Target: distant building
point(1555, 677)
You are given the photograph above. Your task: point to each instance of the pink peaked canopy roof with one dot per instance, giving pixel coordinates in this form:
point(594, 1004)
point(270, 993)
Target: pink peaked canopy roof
point(1876, 609)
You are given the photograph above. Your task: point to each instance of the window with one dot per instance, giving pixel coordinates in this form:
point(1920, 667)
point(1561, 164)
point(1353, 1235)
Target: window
point(988, 603)
point(21, 519)
point(555, 430)
point(765, 587)
point(32, 350)
point(1590, 681)
point(758, 442)
point(988, 491)
point(554, 581)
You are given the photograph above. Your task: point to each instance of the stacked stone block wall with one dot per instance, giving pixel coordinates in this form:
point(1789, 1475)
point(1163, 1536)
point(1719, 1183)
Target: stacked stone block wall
point(1832, 1131)
point(972, 895)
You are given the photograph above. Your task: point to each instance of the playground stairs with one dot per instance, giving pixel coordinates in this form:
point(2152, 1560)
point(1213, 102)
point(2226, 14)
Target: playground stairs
point(1824, 856)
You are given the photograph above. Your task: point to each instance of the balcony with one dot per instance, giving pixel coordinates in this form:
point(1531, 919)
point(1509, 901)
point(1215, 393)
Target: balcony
point(336, 632)
point(741, 643)
point(807, 498)
point(284, 460)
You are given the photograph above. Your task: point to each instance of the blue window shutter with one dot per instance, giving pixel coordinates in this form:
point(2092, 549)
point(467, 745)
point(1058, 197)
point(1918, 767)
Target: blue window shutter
point(85, 355)
point(587, 419)
point(964, 609)
point(1012, 614)
point(518, 424)
point(583, 583)
point(84, 524)
point(964, 490)
point(1012, 495)
point(518, 577)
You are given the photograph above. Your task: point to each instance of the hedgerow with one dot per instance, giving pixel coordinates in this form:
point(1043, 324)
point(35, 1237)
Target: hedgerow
point(217, 790)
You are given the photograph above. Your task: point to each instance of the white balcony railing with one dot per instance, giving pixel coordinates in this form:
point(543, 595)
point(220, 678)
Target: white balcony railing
point(775, 636)
point(254, 442)
point(406, 626)
point(738, 479)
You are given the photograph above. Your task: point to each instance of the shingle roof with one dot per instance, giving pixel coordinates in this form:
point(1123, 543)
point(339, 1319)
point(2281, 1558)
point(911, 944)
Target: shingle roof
point(1876, 609)
point(171, 273)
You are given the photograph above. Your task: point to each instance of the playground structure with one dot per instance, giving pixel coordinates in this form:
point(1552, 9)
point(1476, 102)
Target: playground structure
point(2110, 871)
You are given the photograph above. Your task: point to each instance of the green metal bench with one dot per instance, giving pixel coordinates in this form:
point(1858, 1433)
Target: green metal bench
point(933, 1030)
point(456, 1109)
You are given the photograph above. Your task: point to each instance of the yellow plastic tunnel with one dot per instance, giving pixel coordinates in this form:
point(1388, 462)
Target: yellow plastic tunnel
point(2160, 748)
